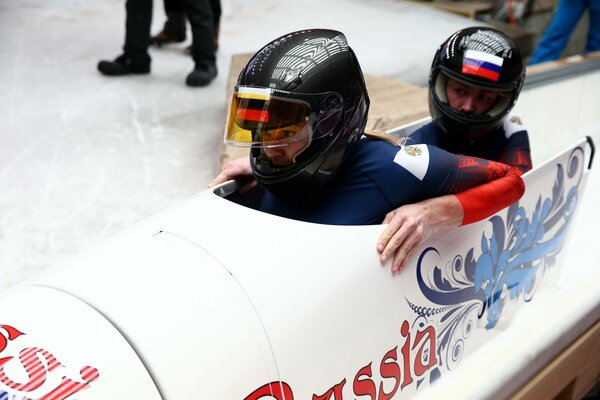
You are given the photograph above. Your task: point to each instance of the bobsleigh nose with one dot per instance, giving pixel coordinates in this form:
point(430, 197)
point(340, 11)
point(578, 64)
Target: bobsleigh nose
point(194, 319)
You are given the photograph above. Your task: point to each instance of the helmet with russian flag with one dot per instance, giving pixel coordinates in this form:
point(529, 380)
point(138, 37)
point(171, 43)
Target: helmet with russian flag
point(485, 58)
point(300, 103)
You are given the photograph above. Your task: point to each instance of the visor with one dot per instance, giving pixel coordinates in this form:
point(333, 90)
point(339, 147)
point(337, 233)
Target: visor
point(503, 101)
point(271, 118)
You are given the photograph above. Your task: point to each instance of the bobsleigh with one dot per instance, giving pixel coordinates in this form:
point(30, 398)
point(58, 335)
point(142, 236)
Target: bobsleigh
point(212, 299)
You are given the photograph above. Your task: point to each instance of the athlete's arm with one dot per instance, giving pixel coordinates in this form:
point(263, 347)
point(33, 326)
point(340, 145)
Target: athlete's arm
point(503, 188)
point(409, 225)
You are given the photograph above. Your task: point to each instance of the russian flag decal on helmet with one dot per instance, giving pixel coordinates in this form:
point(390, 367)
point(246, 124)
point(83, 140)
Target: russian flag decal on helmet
point(482, 64)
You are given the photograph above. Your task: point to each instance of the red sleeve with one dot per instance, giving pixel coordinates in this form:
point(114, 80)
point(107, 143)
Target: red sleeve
point(505, 186)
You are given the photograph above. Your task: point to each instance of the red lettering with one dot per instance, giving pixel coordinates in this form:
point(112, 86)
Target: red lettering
point(389, 369)
point(364, 387)
point(277, 390)
point(68, 387)
point(335, 391)
point(426, 339)
point(36, 371)
point(12, 335)
point(405, 331)
point(363, 383)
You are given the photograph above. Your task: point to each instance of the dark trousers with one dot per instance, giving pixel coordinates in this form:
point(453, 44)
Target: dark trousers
point(201, 17)
point(564, 20)
point(139, 19)
point(175, 23)
point(175, 11)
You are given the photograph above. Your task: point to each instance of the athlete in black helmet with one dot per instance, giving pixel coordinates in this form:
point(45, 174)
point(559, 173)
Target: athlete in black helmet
point(475, 79)
point(301, 104)
point(479, 57)
point(307, 87)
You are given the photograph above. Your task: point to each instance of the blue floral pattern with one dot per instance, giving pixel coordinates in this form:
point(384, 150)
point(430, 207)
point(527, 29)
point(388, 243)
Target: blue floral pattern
point(511, 263)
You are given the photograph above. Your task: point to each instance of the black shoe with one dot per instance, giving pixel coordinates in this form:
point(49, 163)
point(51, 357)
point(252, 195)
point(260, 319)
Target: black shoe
point(202, 75)
point(122, 65)
point(166, 38)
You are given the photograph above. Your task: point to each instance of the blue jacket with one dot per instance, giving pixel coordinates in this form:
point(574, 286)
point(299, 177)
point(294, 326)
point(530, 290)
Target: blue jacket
point(378, 177)
point(508, 144)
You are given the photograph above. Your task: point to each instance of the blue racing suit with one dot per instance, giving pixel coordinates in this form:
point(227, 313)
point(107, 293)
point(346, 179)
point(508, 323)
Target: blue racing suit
point(508, 144)
point(378, 177)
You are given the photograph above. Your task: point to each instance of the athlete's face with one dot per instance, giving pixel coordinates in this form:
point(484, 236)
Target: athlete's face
point(470, 99)
point(285, 155)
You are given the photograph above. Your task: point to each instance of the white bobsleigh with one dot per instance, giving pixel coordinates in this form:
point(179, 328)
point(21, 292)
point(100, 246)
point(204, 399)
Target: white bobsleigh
point(215, 300)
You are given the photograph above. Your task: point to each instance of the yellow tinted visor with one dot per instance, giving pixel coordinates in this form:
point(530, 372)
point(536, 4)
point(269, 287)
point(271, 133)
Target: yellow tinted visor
point(257, 116)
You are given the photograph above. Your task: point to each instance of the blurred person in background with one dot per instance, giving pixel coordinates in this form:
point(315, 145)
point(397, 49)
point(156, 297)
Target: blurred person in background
point(135, 58)
point(174, 29)
point(565, 18)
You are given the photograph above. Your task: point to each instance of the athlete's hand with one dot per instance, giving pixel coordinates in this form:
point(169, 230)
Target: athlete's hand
point(238, 169)
point(411, 224)
point(408, 226)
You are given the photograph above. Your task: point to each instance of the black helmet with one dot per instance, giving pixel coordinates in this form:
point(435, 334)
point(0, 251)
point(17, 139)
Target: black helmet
point(479, 56)
point(304, 89)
